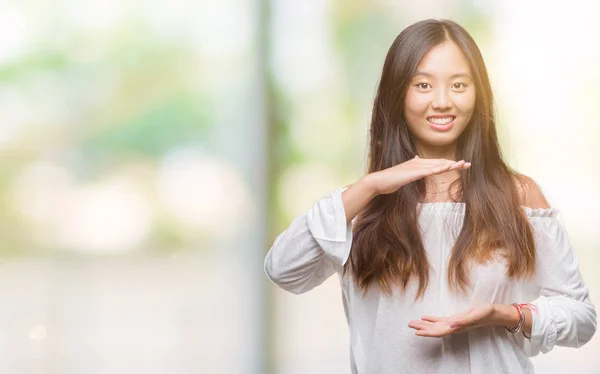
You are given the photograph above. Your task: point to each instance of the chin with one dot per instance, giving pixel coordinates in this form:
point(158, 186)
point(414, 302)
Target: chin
point(439, 143)
point(440, 140)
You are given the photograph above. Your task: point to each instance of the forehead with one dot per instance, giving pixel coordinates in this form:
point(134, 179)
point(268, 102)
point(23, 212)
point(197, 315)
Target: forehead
point(444, 60)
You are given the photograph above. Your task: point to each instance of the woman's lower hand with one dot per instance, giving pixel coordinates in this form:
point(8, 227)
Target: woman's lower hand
point(431, 326)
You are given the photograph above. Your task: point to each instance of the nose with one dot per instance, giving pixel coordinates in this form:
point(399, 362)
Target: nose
point(441, 100)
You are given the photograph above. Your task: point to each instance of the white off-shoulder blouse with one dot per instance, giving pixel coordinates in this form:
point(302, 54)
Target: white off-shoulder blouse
point(317, 244)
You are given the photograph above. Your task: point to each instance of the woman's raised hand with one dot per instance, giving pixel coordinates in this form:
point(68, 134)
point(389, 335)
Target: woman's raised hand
point(358, 195)
point(391, 179)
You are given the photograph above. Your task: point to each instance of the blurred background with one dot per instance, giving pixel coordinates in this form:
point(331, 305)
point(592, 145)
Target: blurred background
point(151, 151)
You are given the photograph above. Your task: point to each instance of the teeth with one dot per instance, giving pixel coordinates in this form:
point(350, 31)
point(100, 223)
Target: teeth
point(440, 121)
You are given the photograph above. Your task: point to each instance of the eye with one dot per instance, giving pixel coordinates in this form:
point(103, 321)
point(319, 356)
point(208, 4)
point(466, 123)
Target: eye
point(459, 86)
point(423, 86)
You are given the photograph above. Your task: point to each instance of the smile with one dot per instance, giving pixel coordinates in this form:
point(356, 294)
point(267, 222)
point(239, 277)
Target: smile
point(441, 123)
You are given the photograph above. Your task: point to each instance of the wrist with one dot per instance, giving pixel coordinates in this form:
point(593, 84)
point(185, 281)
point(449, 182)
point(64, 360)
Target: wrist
point(369, 185)
point(505, 315)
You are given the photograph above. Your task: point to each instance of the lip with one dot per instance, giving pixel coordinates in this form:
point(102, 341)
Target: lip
point(445, 127)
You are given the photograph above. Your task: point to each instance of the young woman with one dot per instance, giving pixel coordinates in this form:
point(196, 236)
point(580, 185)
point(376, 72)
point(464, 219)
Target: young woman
point(446, 266)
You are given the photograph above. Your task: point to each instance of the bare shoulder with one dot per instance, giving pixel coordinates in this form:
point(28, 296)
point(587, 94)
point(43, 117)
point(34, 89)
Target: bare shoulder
point(530, 193)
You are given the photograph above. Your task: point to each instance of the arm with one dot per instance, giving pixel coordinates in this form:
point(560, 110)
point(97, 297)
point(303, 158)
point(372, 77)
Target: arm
point(530, 196)
point(357, 196)
point(566, 315)
point(317, 243)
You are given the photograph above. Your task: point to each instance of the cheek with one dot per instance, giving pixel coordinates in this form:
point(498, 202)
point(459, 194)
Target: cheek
point(465, 103)
point(416, 104)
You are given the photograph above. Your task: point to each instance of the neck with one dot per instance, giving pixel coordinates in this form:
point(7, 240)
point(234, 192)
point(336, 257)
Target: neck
point(448, 151)
point(438, 186)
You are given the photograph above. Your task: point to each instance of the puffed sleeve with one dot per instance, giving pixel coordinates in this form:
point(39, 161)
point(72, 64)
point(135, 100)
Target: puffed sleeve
point(566, 316)
point(315, 245)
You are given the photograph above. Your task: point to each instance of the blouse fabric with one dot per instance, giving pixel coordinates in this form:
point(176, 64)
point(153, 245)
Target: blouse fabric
point(317, 244)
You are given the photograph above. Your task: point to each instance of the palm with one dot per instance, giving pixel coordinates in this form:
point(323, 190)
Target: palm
point(440, 326)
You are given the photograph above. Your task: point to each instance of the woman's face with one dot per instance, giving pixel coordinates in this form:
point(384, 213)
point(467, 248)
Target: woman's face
point(440, 97)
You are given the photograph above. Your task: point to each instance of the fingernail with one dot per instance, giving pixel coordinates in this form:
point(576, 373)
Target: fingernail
point(455, 324)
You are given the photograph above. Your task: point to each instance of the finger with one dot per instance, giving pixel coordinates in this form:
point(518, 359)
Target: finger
point(429, 334)
point(444, 162)
point(418, 324)
point(458, 164)
point(438, 164)
point(431, 318)
point(415, 325)
point(456, 167)
point(461, 165)
point(441, 169)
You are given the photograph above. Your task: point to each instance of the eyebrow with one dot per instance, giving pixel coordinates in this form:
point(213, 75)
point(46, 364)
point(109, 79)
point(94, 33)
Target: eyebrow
point(457, 75)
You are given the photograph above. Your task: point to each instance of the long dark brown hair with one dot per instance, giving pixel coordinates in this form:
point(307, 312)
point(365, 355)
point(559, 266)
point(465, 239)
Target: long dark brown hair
point(387, 248)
